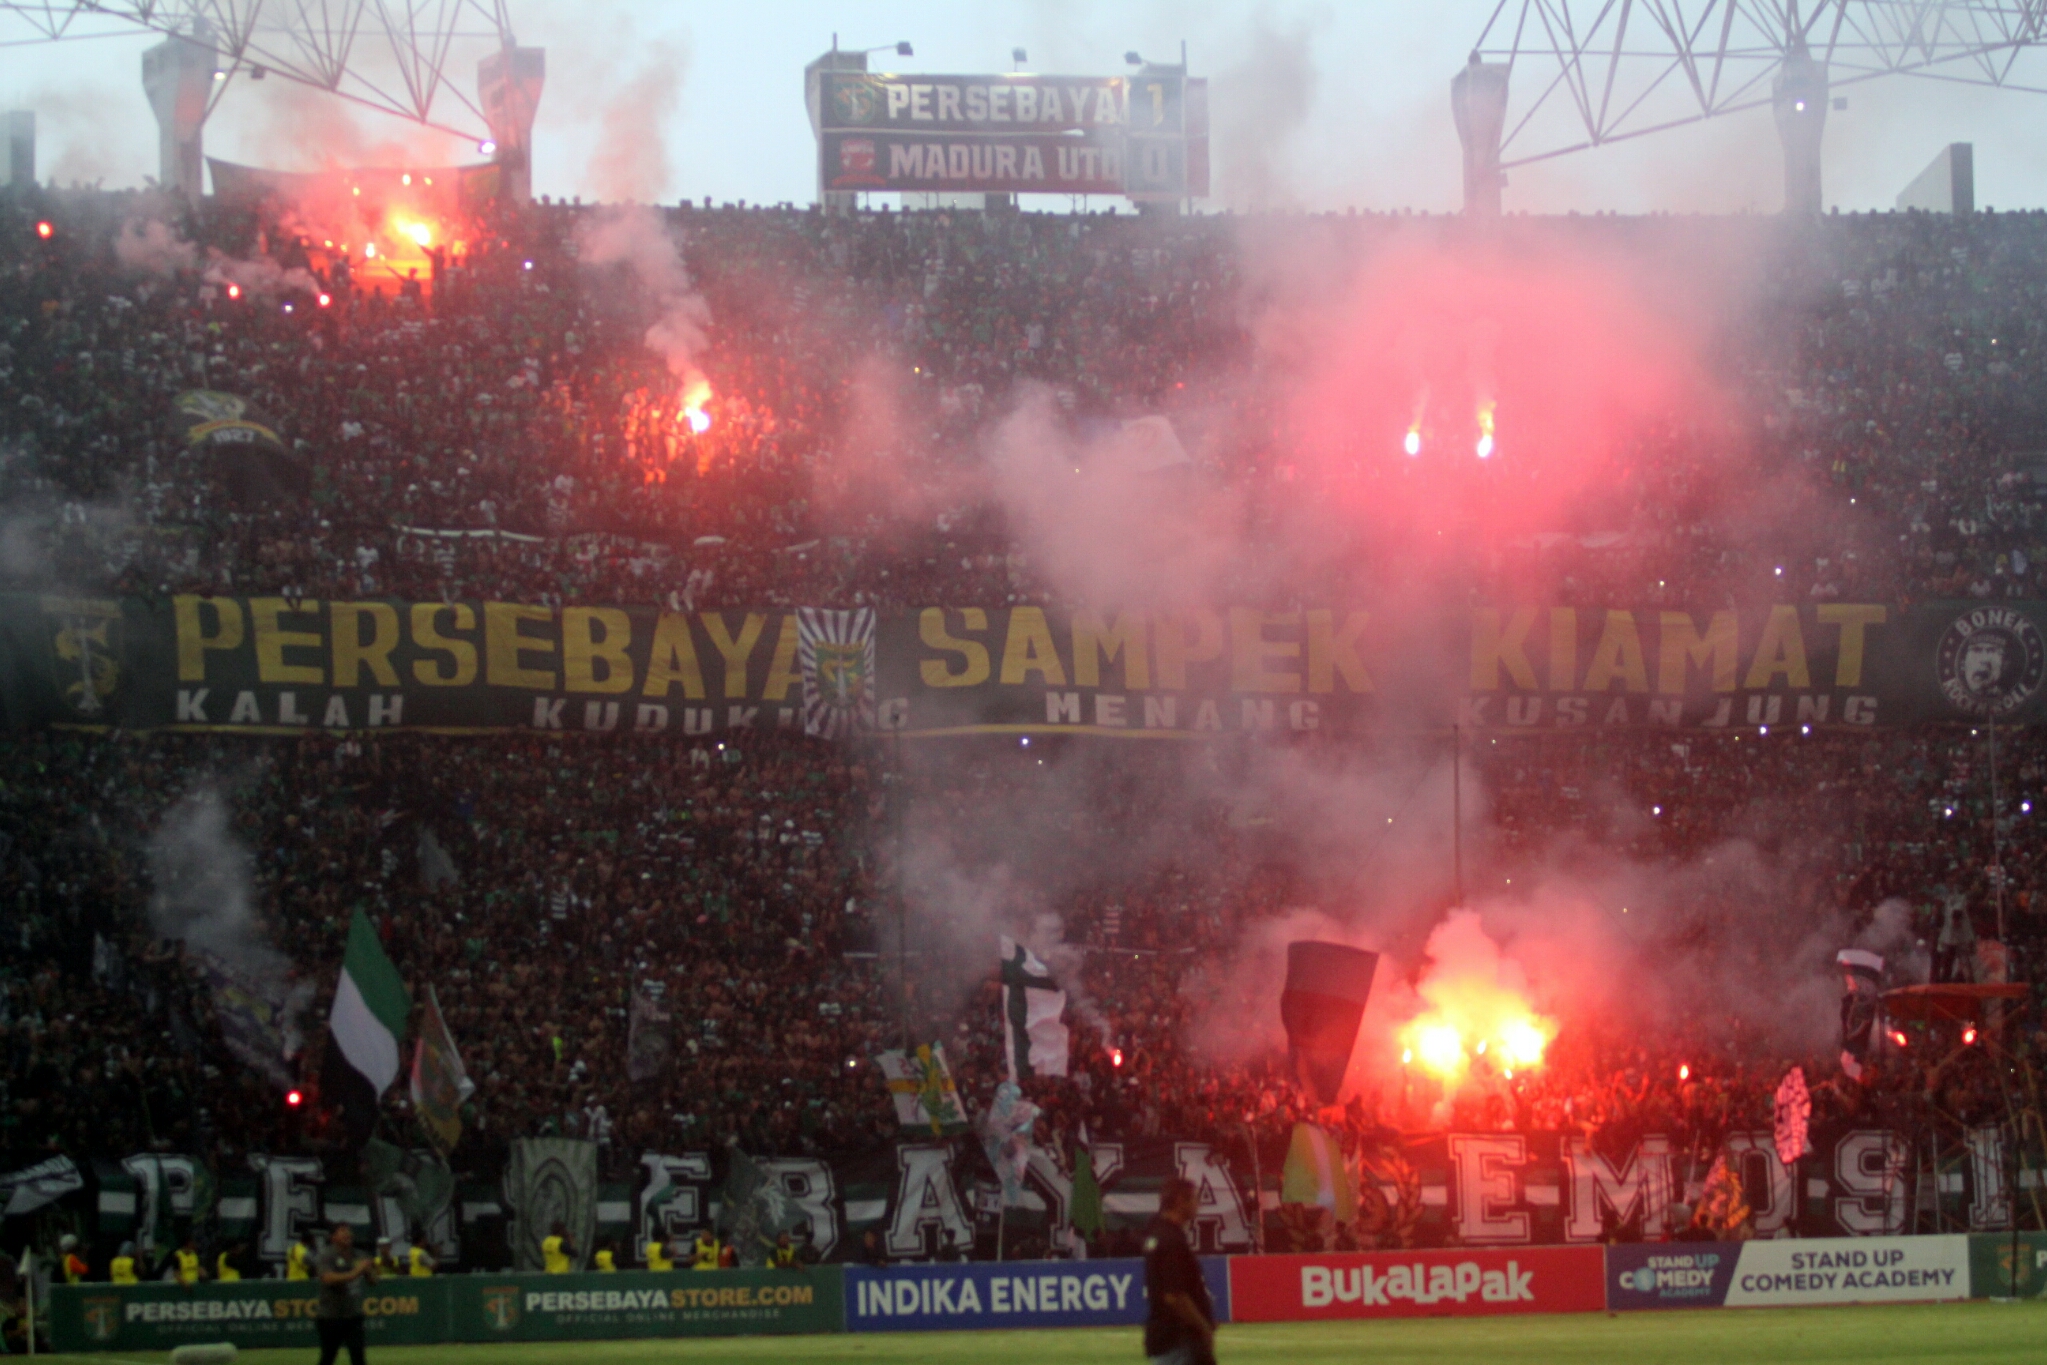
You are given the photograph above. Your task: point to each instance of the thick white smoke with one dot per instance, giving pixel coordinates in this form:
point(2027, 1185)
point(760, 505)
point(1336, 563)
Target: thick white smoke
point(204, 885)
point(636, 238)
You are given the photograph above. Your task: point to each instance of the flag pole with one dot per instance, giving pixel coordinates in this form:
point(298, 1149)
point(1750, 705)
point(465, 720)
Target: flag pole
point(1457, 813)
point(1996, 862)
point(1257, 1191)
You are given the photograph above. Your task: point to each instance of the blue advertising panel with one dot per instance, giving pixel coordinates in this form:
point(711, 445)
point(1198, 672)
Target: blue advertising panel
point(1670, 1274)
point(972, 1296)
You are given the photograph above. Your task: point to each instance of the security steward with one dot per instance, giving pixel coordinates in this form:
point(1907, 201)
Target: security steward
point(343, 1272)
point(1180, 1326)
point(782, 1253)
point(556, 1253)
point(75, 1268)
point(224, 1268)
point(121, 1270)
point(298, 1262)
point(605, 1261)
point(419, 1263)
point(704, 1255)
point(657, 1254)
point(188, 1271)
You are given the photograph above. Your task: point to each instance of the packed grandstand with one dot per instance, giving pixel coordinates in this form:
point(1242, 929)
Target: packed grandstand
point(783, 908)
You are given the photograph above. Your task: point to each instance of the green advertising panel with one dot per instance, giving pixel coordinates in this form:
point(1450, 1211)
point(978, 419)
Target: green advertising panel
point(99, 1318)
point(642, 1304)
point(2004, 1267)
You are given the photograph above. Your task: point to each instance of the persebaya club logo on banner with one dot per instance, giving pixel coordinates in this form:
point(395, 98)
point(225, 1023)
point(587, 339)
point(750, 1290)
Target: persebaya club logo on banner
point(1991, 661)
point(85, 650)
point(501, 1307)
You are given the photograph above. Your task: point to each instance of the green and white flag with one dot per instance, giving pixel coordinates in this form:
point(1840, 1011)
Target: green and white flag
point(1315, 1173)
point(371, 1006)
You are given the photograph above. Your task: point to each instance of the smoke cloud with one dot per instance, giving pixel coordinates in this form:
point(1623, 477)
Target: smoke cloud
point(204, 879)
point(637, 239)
point(1574, 363)
point(149, 246)
point(630, 162)
point(1260, 104)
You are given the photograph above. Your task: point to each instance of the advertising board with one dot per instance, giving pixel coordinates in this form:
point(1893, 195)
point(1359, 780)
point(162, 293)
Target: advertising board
point(1670, 1274)
point(2002, 1266)
point(1397, 1284)
point(1850, 1270)
point(643, 1304)
point(962, 1297)
point(252, 1314)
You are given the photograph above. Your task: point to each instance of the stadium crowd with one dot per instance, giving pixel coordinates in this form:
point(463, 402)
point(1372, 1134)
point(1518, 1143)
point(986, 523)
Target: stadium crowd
point(510, 435)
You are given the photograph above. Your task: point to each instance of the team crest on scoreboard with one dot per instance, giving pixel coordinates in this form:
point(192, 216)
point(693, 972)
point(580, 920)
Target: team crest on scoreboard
point(85, 647)
point(855, 101)
point(835, 652)
point(1991, 661)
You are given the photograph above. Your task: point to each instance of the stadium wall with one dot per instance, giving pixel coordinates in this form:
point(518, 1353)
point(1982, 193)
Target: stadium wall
point(1032, 1294)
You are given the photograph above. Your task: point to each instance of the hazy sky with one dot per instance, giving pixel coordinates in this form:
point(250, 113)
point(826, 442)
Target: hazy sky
point(1316, 105)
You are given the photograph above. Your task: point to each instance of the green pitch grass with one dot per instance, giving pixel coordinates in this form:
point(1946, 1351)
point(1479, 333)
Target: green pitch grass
point(1964, 1332)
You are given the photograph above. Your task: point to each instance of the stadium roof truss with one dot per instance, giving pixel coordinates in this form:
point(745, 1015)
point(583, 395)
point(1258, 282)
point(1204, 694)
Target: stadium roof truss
point(1627, 68)
point(389, 55)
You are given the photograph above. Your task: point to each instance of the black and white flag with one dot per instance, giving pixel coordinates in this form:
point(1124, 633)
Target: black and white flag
point(1862, 974)
point(1034, 1041)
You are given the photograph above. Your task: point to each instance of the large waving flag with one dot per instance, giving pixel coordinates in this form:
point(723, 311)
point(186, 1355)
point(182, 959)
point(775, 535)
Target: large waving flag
point(1034, 1042)
point(370, 1009)
point(1315, 1173)
point(1327, 985)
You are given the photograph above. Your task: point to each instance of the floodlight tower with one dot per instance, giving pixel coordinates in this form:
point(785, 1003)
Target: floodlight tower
point(394, 56)
point(509, 82)
point(1798, 98)
point(1598, 72)
point(1478, 101)
point(178, 76)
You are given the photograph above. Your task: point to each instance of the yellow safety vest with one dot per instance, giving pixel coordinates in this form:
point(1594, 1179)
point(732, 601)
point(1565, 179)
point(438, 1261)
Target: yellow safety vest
point(556, 1259)
point(781, 1258)
point(417, 1265)
point(657, 1256)
point(123, 1270)
point(295, 1262)
point(223, 1271)
point(604, 1262)
point(188, 1267)
point(706, 1254)
point(75, 1269)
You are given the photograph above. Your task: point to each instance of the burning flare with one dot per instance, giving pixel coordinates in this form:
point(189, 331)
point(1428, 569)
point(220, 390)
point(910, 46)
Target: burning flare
point(1476, 1006)
point(695, 395)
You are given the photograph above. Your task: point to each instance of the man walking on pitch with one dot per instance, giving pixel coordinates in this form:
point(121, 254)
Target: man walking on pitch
point(1180, 1328)
point(342, 1272)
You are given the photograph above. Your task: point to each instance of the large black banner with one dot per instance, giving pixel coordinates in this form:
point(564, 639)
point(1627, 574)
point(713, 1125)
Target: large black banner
point(1423, 1189)
point(280, 666)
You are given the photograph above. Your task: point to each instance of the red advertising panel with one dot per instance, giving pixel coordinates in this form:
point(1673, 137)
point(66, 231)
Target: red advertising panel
point(1410, 1284)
